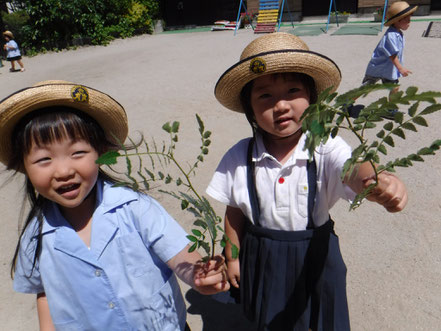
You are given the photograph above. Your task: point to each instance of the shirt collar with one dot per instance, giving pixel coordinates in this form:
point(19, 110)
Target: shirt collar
point(107, 199)
point(300, 153)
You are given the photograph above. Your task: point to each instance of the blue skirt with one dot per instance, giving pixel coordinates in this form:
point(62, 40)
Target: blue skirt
point(294, 280)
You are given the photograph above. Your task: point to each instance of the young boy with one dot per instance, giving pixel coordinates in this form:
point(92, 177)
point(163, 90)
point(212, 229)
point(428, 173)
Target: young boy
point(387, 59)
point(13, 52)
point(386, 63)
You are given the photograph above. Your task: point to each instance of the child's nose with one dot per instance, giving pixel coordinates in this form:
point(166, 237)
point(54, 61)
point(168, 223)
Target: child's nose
point(63, 170)
point(281, 105)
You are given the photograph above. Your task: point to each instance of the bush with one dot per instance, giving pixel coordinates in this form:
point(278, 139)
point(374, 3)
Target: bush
point(57, 24)
point(15, 22)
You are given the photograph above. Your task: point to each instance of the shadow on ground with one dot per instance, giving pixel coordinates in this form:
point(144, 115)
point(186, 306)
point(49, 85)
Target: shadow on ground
point(217, 316)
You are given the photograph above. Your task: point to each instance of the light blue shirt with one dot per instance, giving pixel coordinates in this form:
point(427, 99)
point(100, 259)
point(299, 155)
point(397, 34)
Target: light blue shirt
point(12, 52)
point(380, 65)
point(122, 281)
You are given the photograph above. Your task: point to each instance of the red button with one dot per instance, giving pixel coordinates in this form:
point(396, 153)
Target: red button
point(281, 180)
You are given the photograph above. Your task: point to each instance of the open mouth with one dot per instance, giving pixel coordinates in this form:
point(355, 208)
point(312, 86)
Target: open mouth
point(67, 188)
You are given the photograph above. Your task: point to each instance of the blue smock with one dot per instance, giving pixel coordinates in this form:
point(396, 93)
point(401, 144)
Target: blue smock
point(122, 281)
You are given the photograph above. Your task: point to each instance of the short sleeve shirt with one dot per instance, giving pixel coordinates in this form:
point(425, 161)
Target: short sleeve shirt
point(283, 189)
point(122, 281)
point(380, 65)
point(14, 51)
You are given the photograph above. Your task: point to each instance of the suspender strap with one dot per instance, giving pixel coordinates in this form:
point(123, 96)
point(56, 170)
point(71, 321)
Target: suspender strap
point(251, 181)
point(311, 168)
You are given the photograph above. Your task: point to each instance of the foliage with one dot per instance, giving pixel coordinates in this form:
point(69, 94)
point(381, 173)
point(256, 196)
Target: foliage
point(15, 22)
point(162, 165)
point(325, 118)
point(56, 24)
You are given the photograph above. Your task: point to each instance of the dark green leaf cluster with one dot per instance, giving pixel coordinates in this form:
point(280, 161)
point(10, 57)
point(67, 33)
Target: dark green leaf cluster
point(57, 24)
point(330, 114)
point(160, 162)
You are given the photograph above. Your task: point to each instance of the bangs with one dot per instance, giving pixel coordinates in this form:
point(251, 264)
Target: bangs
point(53, 124)
point(54, 127)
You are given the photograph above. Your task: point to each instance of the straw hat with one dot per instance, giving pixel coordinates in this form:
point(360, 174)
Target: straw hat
point(100, 106)
point(397, 11)
point(275, 53)
point(8, 34)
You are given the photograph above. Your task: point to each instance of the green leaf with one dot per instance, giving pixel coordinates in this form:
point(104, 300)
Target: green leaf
point(420, 121)
point(197, 233)
point(409, 126)
point(192, 248)
point(388, 126)
point(398, 117)
point(411, 91)
point(175, 127)
point(201, 124)
point(381, 134)
point(389, 140)
point(413, 109)
point(426, 151)
point(108, 158)
point(382, 149)
point(317, 128)
point(200, 223)
point(192, 238)
point(166, 127)
point(184, 204)
point(398, 132)
point(206, 134)
point(234, 252)
point(431, 109)
point(370, 125)
point(223, 243)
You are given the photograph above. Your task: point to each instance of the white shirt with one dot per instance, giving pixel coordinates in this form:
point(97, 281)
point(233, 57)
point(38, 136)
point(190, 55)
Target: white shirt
point(283, 202)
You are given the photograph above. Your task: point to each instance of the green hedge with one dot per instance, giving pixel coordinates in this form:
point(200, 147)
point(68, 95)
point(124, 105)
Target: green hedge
point(57, 24)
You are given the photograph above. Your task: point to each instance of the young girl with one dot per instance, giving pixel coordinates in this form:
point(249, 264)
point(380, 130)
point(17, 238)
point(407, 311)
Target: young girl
point(13, 52)
point(98, 256)
point(291, 272)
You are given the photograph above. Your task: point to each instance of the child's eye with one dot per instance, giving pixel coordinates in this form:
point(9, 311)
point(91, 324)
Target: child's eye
point(264, 96)
point(79, 153)
point(42, 160)
point(294, 90)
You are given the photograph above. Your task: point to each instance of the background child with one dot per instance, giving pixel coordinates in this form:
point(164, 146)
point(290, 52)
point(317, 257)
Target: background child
point(13, 52)
point(291, 272)
point(98, 256)
point(386, 63)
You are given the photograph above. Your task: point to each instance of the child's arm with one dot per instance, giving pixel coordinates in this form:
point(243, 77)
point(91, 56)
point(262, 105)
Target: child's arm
point(403, 71)
point(234, 222)
point(390, 191)
point(44, 316)
point(206, 278)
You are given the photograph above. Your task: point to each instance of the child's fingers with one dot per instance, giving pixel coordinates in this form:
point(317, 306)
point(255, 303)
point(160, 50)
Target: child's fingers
point(389, 192)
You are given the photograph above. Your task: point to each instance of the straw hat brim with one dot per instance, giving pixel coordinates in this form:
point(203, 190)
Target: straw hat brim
point(402, 14)
point(109, 114)
point(8, 34)
point(323, 70)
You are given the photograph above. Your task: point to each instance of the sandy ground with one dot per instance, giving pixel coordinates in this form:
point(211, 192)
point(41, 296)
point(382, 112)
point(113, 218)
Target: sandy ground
point(393, 260)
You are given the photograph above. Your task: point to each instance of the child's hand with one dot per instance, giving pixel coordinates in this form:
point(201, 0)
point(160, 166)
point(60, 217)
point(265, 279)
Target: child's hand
point(390, 192)
point(233, 272)
point(211, 277)
point(405, 72)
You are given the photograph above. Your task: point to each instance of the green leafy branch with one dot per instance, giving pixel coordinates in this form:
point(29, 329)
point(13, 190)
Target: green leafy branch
point(161, 160)
point(330, 114)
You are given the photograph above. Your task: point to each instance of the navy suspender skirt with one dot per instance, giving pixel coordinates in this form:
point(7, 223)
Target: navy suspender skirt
point(292, 280)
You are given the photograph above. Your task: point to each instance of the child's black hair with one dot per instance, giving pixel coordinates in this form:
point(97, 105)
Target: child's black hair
point(245, 94)
point(45, 126)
